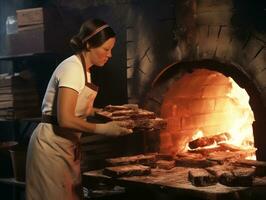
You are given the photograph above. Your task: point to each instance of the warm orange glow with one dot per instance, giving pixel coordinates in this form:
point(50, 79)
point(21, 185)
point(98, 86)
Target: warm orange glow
point(206, 103)
point(197, 135)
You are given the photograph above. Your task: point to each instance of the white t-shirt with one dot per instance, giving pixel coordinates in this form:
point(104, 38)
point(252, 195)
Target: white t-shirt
point(69, 73)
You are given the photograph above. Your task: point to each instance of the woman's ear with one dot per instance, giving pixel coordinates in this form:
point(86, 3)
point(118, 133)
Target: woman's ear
point(87, 47)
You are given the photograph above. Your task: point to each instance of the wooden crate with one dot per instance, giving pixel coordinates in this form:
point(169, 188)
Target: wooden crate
point(31, 16)
point(18, 98)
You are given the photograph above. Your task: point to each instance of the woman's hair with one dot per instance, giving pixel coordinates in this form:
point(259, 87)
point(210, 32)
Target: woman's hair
point(92, 32)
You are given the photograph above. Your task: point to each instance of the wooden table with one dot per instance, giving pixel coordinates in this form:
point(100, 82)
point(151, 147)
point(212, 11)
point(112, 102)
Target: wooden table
point(174, 183)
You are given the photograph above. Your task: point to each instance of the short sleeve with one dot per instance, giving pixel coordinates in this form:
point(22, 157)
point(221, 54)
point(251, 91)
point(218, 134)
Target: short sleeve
point(71, 75)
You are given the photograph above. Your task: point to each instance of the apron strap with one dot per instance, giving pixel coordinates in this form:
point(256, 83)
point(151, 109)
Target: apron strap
point(84, 66)
point(90, 85)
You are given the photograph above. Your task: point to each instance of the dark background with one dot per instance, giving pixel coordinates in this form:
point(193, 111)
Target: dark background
point(40, 51)
point(62, 21)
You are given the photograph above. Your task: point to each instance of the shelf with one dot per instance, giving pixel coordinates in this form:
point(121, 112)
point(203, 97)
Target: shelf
point(12, 181)
point(35, 42)
point(23, 55)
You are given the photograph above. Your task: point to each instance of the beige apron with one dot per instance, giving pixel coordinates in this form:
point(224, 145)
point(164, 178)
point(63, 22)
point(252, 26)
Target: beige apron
point(53, 157)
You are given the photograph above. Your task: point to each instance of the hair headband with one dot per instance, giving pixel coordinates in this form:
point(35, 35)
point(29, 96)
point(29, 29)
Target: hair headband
point(95, 32)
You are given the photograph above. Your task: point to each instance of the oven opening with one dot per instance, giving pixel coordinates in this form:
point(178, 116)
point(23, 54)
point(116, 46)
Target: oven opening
point(208, 111)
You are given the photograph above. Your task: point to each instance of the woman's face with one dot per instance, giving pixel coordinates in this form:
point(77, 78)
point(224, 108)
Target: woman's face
point(100, 55)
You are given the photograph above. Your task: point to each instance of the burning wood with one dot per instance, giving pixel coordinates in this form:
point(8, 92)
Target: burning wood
point(201, 177)
point(206, 151)
point(127, 170)
point(132, 117)
point(233, 148)
point(207, 141)
point(239, 153)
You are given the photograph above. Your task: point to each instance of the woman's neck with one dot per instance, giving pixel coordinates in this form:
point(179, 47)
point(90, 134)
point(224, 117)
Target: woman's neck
point(86, 59)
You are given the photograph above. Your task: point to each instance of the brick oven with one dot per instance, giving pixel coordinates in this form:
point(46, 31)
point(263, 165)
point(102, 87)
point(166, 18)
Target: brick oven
point(205, 102)
point(212, 78)
point(200, 65)
point(209, 98)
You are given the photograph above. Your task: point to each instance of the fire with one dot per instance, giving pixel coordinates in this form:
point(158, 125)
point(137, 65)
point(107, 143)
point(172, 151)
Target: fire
point(205, 104)
point(197, 135)
point(241, 132)
point(220, 142)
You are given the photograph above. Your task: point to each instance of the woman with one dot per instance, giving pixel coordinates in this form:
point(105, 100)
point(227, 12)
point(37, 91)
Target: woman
point(53, 158)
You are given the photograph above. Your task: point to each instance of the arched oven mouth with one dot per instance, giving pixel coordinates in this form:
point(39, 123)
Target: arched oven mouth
point(191, 128)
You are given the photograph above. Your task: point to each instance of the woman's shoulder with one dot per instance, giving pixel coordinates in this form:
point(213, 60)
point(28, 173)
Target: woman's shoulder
point(70, 73)
point(71, 60)
point(71, 63)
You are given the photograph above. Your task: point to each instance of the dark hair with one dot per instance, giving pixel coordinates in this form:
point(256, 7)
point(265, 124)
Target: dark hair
point(77, 42)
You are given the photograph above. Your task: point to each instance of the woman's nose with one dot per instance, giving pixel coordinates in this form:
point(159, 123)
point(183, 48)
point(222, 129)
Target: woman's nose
point(109, 54)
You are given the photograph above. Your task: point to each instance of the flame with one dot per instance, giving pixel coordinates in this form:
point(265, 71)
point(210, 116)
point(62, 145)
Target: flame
point(241, 132)
point(239, 145)
point(206, 103)
point(197, 135)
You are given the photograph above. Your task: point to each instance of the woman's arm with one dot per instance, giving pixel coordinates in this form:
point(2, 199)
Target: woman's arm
point(66, 104)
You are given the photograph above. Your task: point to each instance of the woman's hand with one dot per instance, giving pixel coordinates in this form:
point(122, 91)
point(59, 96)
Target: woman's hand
point(111, 129)
point(93, 112)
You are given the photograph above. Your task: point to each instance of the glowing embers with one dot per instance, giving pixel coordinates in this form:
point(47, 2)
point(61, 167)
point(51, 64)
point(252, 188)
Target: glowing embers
point(209, 102)
point(220, 143)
